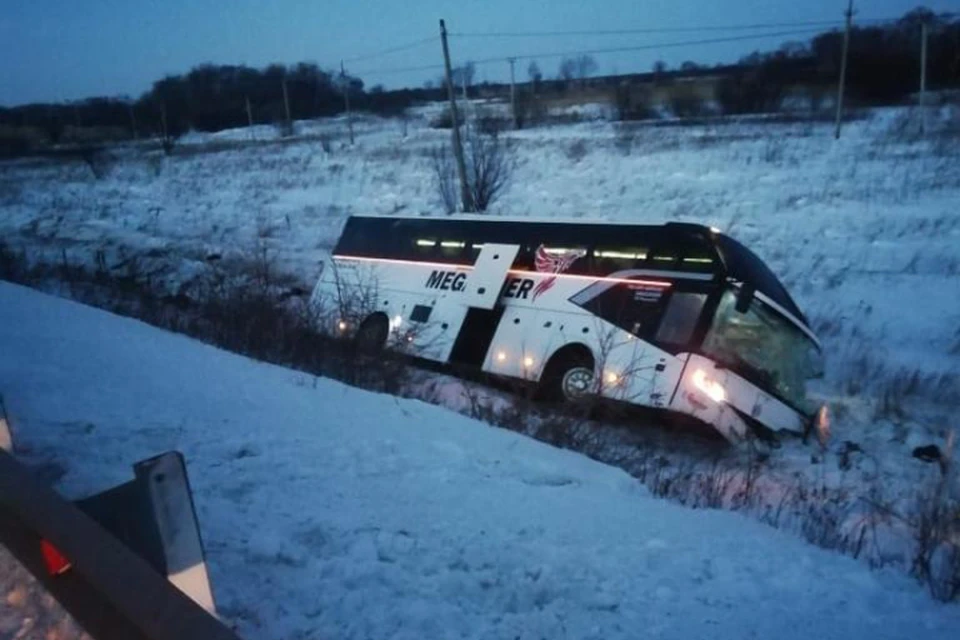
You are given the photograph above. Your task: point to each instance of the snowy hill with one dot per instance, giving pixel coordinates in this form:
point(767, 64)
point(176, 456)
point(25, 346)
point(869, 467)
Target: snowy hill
point(333, 512)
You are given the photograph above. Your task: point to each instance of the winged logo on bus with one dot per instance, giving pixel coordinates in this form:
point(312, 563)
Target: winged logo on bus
point(553, 262)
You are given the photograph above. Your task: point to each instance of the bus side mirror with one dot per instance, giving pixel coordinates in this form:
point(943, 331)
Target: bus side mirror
point(745, 298)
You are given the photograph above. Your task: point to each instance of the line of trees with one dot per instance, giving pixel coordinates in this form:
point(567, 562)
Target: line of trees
point(211, 98)
point(883, 67)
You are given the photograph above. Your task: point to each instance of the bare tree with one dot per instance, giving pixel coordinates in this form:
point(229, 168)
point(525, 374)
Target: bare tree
point(535, 75)
point(490, 166)
point(462, 76)
point(586, 66)
point(567, 70)
point(659, 71)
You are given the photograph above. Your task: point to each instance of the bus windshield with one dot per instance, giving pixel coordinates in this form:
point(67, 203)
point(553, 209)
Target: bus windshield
point(766, 345)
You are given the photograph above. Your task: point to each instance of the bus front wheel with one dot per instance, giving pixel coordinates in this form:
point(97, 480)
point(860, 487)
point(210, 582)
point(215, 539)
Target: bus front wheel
point(371, 337)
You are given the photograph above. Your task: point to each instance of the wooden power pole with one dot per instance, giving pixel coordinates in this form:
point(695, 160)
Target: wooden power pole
point(924, 33)
point(133, 121)
point(513, 94)
point(288, 129)
point(246, 100)
point(465, 197)
point(345, 84)
point(843, 67)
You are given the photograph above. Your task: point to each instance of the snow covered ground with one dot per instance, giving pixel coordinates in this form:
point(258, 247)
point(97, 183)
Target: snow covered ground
point(333, 512)
point(865, 232)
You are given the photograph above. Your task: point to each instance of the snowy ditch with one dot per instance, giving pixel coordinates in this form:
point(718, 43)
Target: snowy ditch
point(864, 234)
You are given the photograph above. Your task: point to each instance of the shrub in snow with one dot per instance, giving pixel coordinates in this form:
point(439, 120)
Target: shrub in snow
point(685, 101)
point(444, 119)
point(577, 150)
point(531, 109)
point(489, 165)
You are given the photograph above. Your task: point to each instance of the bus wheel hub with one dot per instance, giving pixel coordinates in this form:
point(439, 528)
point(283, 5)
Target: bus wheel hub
point(577, 383)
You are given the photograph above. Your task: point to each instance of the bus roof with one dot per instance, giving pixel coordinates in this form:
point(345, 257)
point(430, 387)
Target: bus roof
point(477, 217)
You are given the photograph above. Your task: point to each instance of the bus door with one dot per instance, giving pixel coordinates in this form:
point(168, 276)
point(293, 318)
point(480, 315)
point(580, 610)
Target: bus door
point(482, 313)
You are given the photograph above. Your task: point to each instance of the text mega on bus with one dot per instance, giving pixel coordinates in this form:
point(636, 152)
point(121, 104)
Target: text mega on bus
point(675, 316)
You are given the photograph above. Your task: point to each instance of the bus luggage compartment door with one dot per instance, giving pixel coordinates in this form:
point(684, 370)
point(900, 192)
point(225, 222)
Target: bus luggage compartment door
point(489, 273)
point(475, 336)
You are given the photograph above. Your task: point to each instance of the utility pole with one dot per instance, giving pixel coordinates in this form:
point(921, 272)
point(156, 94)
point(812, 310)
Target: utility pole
point(133, 120)
point(246, 100)
point(843, 67)
point(455, 127)
point(288, 129)
point(513, 94)
point(345, 83)
point(163, 121)
point(923, 75)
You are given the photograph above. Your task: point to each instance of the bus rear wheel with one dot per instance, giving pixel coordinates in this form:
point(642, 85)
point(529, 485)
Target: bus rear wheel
point(371, 337)
point(568, 378)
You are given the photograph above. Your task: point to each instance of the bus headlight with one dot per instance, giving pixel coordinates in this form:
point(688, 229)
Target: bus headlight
point(709, 386)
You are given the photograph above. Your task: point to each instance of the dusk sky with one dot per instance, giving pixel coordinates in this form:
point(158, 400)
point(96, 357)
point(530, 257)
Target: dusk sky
point(56, 50)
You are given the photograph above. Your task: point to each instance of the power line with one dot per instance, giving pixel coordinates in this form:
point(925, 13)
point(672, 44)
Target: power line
point(386, 72)
point(617, 32)
point(558, 54)
point(649, 47)
point(625, 49)
point(651, 30)
point(396, 49)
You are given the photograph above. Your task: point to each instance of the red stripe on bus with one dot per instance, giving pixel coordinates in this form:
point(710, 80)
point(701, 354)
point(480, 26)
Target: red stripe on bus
point(447, 265)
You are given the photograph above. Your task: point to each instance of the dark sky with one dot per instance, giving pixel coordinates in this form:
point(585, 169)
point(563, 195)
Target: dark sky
point(55, 50)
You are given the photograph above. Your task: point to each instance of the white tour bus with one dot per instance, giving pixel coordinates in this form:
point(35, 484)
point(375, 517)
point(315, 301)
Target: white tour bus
point(677, 316)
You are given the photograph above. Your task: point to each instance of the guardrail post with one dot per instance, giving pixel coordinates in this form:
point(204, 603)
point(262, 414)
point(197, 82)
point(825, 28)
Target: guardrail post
point(108, 587)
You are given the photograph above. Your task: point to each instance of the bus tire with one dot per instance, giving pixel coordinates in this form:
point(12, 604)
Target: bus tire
point(371, 337)
point(568, 377)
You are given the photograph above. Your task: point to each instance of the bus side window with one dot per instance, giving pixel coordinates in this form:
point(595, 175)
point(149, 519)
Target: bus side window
point(635, 308)
point(697, 261)
point(663, 259)
point(608, 260)
point(641, 315)
point(680, 318)
point(453, 250)
point(424, 248)
point(524, 259)
point(472, 252)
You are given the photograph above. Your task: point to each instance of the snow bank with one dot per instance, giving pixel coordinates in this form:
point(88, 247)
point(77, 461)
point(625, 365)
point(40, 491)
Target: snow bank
point(333, 512)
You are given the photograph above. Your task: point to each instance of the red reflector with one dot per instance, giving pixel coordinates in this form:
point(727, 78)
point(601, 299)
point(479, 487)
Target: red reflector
point(55, 561)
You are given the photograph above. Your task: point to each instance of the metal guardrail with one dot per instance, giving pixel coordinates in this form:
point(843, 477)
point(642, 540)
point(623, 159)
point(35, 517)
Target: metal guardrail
point(110, 590)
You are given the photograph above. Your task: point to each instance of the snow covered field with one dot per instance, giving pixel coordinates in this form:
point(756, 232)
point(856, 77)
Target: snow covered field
point(865, 231)
point(333, 512)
